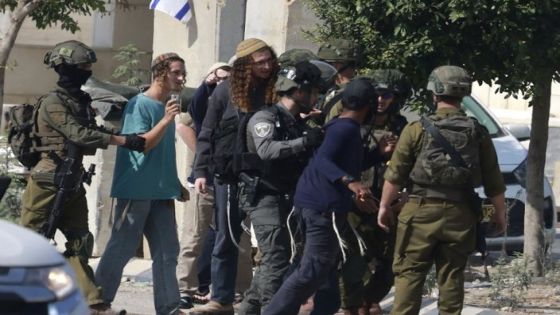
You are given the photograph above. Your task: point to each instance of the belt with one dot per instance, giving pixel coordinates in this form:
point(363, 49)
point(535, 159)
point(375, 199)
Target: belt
point(429, 201)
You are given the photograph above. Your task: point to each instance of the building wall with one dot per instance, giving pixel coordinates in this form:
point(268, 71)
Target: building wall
point(27, 77)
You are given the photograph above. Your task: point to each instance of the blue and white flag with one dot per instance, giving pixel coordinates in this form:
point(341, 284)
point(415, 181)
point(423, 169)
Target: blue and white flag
point(179, 9)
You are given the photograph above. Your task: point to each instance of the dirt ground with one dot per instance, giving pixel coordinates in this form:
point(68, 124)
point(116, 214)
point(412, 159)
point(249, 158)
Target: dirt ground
point(539, 296)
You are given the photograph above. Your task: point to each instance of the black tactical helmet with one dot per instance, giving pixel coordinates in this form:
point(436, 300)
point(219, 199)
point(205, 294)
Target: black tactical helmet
point(304, 75)
point(292, 56)
point(339, 50)
point(450, 81)
point(359, 93)
point(70, 52)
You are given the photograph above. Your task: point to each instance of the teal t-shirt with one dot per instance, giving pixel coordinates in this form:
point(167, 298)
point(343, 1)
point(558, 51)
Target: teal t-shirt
point(150, 176)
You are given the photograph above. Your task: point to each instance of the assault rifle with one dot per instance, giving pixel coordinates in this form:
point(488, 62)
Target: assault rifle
point(66, 182)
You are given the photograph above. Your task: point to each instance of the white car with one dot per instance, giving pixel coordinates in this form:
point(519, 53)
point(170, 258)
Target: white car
point(512, 157)
point(34, 277)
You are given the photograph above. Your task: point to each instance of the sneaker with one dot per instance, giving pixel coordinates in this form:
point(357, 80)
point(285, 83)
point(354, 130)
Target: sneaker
point(213, 308)
point(104, 309)
point(186, 302)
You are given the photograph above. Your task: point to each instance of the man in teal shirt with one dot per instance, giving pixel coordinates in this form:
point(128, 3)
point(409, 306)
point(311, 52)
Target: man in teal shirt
point(145, 185)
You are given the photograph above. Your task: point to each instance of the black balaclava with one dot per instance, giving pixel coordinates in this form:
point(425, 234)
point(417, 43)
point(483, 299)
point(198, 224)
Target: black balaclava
point(71, 78)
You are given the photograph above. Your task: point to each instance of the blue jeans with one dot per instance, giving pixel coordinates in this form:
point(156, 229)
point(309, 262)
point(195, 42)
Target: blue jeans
point(225, 254)
point(156, 220)
point(316, 269)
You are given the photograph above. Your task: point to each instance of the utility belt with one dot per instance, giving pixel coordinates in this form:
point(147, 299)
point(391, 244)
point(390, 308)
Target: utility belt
point(434, 193)
point(254, 186)
point(419, 200)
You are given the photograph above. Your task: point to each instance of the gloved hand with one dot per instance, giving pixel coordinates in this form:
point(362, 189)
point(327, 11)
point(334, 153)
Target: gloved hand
point(134, 142)
point(313, 137)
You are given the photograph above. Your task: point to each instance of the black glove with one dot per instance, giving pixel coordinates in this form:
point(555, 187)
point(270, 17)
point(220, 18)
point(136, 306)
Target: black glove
point(313, 137)
point(134, 142)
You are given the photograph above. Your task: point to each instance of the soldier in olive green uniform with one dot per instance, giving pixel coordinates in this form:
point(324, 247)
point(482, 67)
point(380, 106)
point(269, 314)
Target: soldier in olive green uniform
point(64, 119)
point(358, 286)
point(437, 224)
point(344, 55)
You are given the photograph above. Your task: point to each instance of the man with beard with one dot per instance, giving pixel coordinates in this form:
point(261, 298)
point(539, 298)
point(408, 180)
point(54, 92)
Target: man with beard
point(250, 87)
point(65, 123)
point(281, 140)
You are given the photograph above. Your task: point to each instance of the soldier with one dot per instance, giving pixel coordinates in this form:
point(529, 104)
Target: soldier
point(282, 140)
point(324, 195)
point(437, 223)
point(65, 122)
point(360, 288)
point(249, 88)
point(344, 55)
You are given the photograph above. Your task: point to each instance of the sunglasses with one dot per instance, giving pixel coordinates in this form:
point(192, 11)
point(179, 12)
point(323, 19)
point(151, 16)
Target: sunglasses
point(384, 94)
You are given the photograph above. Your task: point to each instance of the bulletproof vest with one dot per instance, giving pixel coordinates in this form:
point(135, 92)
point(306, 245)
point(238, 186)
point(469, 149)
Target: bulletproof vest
point(434, 175)
point(229, 147)
point(50, 137)
point(284, 173)
point(373, 177)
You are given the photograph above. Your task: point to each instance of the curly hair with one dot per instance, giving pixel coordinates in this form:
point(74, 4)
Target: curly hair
point(161, 69)
point(242, 82)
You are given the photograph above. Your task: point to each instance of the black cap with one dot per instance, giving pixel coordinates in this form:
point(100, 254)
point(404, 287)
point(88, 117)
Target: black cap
point(358, 94)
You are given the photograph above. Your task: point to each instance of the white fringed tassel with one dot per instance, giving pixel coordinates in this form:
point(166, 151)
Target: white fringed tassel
point(292, 241)
point(340, 241)
point(228, 211)
point(361, 242)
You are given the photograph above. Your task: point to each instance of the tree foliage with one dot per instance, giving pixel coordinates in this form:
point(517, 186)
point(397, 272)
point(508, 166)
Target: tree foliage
point(508, 42)
point(512, 43)
point(55, 12)
point(129, 70)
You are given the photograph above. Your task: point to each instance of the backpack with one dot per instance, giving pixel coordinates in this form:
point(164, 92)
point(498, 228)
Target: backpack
point(21, 136)
point(433, 167)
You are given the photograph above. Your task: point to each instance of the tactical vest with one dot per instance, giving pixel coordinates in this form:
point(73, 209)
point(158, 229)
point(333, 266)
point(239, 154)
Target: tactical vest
point(434, 175)
point(284, 173)
point(50, 137)
point(373, 177)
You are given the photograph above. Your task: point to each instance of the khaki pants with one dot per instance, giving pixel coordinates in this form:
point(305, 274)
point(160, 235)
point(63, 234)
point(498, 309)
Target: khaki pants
point(197, 220)
point(37, 202)
point(442, 233)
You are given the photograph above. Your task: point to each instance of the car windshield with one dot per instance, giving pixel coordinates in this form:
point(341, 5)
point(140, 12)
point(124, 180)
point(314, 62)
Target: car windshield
point(476, 110)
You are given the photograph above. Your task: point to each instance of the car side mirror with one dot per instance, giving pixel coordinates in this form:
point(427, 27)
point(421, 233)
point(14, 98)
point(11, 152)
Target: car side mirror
point(519, 131)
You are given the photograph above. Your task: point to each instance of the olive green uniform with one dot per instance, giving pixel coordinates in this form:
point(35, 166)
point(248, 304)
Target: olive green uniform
point(357, 283)
point(439, 230)
point(63, 116)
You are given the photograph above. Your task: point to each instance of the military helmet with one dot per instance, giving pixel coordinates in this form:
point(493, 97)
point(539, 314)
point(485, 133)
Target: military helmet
point(301, 76)
point(70, 52)
point(450, 80)
point(292, 56)
point(392, 80)
point(339, 50)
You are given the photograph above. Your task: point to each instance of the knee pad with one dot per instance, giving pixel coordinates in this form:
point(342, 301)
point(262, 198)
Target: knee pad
point(79, 245)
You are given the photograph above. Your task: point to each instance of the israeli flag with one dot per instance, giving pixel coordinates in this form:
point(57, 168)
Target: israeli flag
point(179, 9)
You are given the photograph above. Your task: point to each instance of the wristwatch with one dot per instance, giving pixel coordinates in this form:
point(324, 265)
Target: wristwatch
point(347, 179)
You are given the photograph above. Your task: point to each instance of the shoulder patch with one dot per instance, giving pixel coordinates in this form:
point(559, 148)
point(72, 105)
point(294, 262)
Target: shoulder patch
point(263, 129)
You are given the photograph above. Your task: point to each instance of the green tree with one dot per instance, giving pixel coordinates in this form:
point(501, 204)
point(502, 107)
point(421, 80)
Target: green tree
point(512, 43)
point(129, 69)
point(44, 13)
